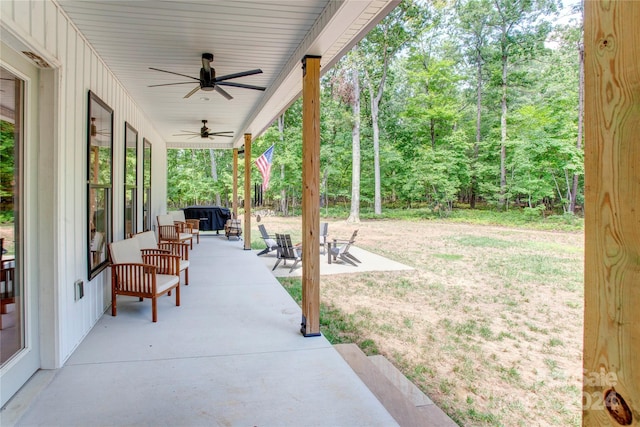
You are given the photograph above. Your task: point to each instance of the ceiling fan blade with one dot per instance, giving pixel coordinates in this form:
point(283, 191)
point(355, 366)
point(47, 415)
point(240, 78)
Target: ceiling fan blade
point(195, 89)
point(223, 92)
point(221, 132)
point(242, 85)
point(218, 134)
point(194, 136)
point(236, 75)
point(171, 72)
point(171, 84)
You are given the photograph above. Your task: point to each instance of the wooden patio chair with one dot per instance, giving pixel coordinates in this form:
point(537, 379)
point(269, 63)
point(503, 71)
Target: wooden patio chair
point(286, 251)
point(169, 231)
point(148, 245)
point(340, 249)
point(97, 248)
point(142, 276)
point(233, 227)
point(188, 225)
point(324, 231)
point(272, 245)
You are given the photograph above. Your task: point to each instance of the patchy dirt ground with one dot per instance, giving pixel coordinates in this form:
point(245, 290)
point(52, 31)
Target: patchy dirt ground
point(489, 324)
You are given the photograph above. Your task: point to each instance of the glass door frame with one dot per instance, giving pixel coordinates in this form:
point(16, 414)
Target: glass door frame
point(21, 365)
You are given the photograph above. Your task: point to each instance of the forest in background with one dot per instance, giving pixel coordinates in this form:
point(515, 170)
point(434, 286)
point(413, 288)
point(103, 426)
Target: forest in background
point(474, 103)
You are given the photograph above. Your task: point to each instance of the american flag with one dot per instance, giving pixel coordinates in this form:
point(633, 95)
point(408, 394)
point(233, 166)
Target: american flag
point(264, 166)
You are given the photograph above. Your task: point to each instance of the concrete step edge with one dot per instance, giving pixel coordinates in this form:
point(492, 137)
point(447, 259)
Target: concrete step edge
point(401, 409)
point(424, 404)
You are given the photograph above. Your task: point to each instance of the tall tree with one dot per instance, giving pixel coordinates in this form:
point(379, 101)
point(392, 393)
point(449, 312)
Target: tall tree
point(354, 213)
point(474, 17)
point(521, 33)
point(379, 47)
point(573, 196)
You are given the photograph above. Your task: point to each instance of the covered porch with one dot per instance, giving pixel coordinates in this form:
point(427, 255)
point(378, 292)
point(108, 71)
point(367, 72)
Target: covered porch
point(231, 354)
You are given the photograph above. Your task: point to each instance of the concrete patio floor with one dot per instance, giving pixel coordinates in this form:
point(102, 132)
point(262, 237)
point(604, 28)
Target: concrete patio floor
point(230, 355)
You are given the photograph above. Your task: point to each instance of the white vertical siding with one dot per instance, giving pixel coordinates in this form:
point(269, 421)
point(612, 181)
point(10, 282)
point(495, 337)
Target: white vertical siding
point(45, 30)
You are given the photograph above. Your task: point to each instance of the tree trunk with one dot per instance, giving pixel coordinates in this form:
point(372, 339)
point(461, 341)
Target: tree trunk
point(432, 133)
point(283, 191)
point(474, 161)
point(354, 214)
point(375, 112)
point(574, 187)
point(214, 173)
point(376, 159)
point(503, 136)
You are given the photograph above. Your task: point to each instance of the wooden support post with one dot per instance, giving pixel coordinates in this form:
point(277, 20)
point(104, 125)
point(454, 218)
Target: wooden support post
point(247, 191)
point(310, 196)
point(234, 201)
point(611, 388)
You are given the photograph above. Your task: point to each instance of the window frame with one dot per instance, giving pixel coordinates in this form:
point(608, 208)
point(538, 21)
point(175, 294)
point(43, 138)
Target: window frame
point(146, 184)
point(95, 265)
point(130, 188)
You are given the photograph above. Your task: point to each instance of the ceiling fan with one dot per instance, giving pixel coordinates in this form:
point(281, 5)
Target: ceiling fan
point(209, 81)
point(204, 132)
point(94, 131)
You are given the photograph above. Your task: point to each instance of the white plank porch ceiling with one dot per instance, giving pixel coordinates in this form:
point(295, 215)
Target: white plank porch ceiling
point(132, 36)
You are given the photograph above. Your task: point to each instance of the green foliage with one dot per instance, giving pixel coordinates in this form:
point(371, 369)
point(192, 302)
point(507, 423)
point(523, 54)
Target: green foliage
point(7, 148)
point(444, 63)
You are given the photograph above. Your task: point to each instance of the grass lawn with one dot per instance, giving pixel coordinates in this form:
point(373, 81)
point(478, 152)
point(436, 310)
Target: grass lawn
point(489, 324)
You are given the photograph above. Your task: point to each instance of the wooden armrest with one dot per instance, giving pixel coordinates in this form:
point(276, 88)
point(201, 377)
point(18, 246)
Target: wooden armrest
point(164, 263)
point(341, 241)
point(154, 251)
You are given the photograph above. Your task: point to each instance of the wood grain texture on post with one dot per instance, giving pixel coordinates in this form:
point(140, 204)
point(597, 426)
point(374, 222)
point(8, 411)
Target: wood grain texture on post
point(311, 195)
point(611, 375)
point(234, 200)
point(247, 191)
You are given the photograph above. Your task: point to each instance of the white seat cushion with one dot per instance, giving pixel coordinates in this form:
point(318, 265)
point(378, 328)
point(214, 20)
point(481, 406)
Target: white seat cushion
point(184, 264)
point(165, 220)
point(126, 251)
point(165, 281)
point(147, 240)
point(178, 215)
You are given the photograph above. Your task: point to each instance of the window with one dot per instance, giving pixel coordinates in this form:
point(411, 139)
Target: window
point(130, 180)
point(99, 182)
point(146, 185)
point(12, 340)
